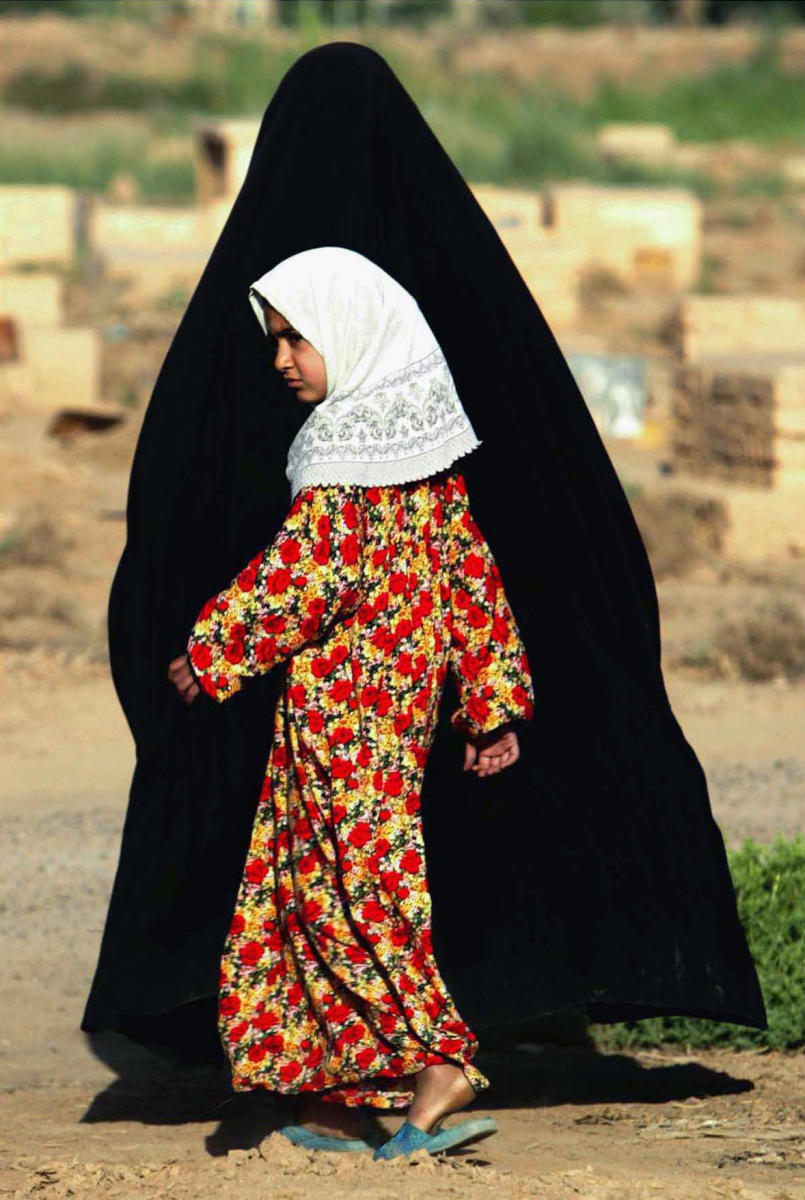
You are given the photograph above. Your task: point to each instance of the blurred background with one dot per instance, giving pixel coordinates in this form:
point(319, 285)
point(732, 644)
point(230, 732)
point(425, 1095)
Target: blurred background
point(644, 163)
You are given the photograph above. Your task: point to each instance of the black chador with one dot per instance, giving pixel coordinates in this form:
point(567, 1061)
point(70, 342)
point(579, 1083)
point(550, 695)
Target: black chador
point(591, 872)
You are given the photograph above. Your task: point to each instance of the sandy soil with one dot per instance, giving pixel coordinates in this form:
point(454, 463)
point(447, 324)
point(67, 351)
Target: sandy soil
point(570, 1123)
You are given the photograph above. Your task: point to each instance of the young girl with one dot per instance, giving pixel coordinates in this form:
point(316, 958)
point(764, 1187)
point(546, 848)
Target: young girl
point(377, 584)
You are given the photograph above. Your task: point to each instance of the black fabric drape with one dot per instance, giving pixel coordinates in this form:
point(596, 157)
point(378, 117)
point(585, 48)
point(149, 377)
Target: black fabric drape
point(592, 872)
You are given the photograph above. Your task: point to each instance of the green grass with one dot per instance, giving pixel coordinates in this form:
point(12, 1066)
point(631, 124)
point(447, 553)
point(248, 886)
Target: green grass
point(87, 155)
point(93, 170)
point(494, 130)
point(754, 100)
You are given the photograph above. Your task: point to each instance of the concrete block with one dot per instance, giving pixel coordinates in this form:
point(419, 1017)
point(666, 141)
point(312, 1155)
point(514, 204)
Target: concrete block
point(644, 235)
point(64, 366)
point(17, 383)
point(633, 141)
point(39, 224)
point(551, 267)
point(509, 209)
point(34, 299)
point(709, 326)
point(789, 454)
point(140, 230)
point(790, 422)
point(223, 150)
point(226, 14)
point(793, 170)
point(153, 250)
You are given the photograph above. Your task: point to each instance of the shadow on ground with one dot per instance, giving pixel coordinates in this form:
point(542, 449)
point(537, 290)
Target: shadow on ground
point(155, 1089)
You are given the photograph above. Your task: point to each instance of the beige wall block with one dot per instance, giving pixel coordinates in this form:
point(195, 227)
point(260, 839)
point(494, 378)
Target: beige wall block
point(789, 454)
point(793, 169)
point(790, 422)
point(636, 141)
point(65, 366)
point(222, 14)
point(551, 267)
point(150, 281)
point(216, 215)
point(154, 250)
point(129, 229)
point(16, 383)
point(223, 150)
point(509, 209)
point(651, 234)
point(709, 326)
point(33, 299)
point(37, 224)
point(692, 156)
point(789, 387)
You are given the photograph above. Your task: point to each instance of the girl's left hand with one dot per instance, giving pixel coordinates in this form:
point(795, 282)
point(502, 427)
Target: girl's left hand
point(492, 753)
point(180, 674)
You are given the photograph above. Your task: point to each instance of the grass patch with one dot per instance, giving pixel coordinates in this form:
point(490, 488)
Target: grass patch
point(87, 155)
point(754, 100)
point(494, 129)
point(157, 182)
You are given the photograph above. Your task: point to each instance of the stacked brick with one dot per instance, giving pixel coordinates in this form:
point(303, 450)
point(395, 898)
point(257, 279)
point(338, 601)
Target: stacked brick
point(738, 396)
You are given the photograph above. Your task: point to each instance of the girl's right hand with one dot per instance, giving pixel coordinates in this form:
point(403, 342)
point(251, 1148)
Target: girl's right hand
point(491, 753)
point(180, 674)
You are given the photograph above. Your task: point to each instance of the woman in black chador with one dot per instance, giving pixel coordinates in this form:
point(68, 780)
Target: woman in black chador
point(587, 872)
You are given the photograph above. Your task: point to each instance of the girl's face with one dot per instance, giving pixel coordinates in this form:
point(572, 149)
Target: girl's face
point(301, 366)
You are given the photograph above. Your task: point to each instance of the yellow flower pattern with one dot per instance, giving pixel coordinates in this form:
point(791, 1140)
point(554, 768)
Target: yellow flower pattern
point(368, 596)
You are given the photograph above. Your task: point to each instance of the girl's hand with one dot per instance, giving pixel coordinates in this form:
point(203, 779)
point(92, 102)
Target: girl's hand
point(491, 753)
point(180, 674)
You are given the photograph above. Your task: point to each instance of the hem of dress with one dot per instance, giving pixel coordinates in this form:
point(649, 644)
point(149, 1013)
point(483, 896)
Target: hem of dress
point(359, 1093)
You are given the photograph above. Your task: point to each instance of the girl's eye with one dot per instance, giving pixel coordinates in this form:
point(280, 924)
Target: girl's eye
point(293, 338)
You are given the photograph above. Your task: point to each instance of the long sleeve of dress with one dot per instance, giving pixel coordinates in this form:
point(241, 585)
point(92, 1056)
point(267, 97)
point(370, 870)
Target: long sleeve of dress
point(487, 655)
point(286, 596)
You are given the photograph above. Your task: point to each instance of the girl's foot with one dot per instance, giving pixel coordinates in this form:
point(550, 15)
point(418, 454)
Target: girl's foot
point(440, 1090)
point(334, 1120)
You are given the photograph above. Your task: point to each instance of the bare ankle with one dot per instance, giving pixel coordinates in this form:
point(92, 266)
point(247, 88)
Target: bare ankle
point(440, 1090)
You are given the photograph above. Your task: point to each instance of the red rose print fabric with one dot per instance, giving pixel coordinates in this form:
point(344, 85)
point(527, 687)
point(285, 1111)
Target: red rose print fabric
point(368, 596)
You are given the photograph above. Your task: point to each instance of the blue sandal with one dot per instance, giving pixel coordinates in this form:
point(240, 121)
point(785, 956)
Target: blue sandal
point(409, 1138)
point(309, 1140)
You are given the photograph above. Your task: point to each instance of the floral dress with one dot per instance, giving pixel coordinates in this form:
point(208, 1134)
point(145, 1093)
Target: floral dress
point(368, 596)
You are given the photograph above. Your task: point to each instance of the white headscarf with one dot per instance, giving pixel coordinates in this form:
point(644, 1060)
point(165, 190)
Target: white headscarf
point(391, 412)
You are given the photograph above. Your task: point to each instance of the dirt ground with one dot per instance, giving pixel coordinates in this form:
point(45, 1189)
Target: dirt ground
point(103, 1119)
point(571, 1122)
